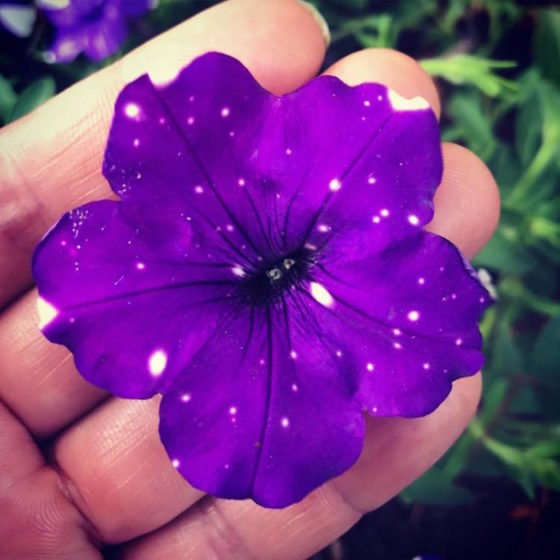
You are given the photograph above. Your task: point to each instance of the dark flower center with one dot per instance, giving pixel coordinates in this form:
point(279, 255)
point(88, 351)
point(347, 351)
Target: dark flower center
point(270, 282)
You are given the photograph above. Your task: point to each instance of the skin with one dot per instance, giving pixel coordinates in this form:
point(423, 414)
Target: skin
point(80, 470)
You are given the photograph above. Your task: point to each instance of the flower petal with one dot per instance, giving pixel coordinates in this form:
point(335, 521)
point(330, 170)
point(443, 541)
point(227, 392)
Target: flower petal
point(187, 120)
point(67, 45)
point(253, 417)
point(272, 164)
point(413, 310)
point(380, 164)
point(132, 297)
point(134, 8)
point(104, 37)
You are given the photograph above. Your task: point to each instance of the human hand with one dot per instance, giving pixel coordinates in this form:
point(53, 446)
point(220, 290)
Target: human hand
point(79, 470)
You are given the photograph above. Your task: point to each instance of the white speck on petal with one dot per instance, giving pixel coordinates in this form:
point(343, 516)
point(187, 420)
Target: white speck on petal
point(421, 280)
point(288, 152)
point(198, 189)
point(131, 110)
point(136, 143)
point(233, 410)
point(397, 332)
point(400, 103)
point(384, 212)
point(339, 353)
point(323, 228)
point(334, 185)
point(370, 366)
point(371, 180)
point(225, 112)
point(293, 354)
point(47, 312)
point(241, 182)
point(140, 266)
point(426, 365)
point(412, 219)
point(190, 120)
point(367, 103)
point(459, 341)
point(321, 294)
point(175, 463)
point(376, 219)
point(238, 271)
point(285, 422)
point(413, 315)
point(186, 397)
point(157, 362)
point(397, 345)
point(294, 387)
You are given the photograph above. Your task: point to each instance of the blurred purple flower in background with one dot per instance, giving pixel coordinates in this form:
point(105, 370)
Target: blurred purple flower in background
point(267, 270)
point(95, 27)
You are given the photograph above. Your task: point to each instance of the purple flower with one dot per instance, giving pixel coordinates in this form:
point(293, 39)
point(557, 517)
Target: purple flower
point(95, 27)
point(18, 17)
point(266, 269)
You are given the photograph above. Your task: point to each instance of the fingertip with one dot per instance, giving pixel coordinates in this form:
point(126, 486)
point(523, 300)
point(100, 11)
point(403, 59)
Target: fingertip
point(280, 41)
point(467, 203)
point(309, 37)
point(392, 68)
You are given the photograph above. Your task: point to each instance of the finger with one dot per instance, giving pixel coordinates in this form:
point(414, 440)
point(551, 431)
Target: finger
point(125, 484)
point(50, 161)
point(396, 452)
point(38, 379)
point(467, 203)
point(37, 519)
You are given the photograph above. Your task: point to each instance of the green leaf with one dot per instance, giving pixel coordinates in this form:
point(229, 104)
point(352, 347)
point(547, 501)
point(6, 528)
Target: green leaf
point(505, 254)
point(545, 449)
point(525, 402)
point(8, 98)
point(547, 44)
point(528, 129)
point(547, 472)
point(465, 69)
point(435, 488)
point(471, 124)
point(545, 358)
point(33, 96)
point(548, 152)
point(493, 396)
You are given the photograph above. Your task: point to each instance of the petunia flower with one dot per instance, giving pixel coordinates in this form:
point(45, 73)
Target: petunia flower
point(94, 27)
point(18, 17)
point(266, 270)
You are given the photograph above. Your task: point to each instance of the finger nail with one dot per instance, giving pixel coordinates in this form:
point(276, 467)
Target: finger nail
point(321, 22)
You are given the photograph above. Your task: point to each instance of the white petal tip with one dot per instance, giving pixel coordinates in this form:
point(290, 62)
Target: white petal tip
point(400, 103)
point(47, 312)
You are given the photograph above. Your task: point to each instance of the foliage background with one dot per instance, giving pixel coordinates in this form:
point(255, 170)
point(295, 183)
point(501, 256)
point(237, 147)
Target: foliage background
point(497, 66)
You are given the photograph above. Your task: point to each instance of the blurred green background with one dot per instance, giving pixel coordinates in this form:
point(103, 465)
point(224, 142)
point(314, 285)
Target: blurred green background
point(497, 66)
